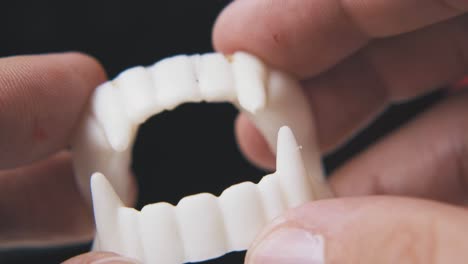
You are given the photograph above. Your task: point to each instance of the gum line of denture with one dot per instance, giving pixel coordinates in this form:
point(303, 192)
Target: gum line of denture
point(203, 226)
point(120, 108)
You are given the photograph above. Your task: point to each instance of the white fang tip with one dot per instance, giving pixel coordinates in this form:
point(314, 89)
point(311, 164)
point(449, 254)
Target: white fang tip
point(288, 154)
point(290, 167)
point(102, 191)
point(119, 144)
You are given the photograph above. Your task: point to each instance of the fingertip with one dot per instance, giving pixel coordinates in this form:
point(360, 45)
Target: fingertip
point(252, 144)
point(364, 230)
point(299, 236)
point(94, 65)
point(253, 26)
point(87, 68)
point(303, 44)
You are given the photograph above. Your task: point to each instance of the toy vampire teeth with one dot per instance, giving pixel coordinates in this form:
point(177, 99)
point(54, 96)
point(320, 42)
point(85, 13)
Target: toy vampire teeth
point(201, 226)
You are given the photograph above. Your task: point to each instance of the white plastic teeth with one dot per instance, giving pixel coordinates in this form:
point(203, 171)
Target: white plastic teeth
point(271, 99)
point(139, 93)
point(201, 226)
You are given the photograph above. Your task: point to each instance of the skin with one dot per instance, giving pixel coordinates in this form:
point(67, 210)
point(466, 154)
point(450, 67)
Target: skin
point(35, 167)
point(354, 57)
point(387, 52)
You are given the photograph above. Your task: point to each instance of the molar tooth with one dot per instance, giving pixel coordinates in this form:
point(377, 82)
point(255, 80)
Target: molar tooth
point(138, 94)
point(250, 76)
point(175, 81)
point(271, 196)
point(106, 204)
point(201, 227)
point(159, 233)
point(243, 214)
point(107, 107)
point(290, 168)
point(215, 78)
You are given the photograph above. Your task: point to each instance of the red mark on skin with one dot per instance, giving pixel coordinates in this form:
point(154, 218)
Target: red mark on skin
point(461, 85)
point(39, 133)
point(276, 38)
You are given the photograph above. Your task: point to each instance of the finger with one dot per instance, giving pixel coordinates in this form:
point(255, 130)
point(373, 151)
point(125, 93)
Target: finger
point(252, 143)
point(308, 37)
point(41, 205)
point(426, 158)
point(41, 98)
point(100, 258)
point(365, 230)
point(347, 97)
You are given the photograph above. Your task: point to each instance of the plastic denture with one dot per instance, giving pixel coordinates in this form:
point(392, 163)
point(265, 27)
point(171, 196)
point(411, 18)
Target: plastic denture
point(201, 226)
point(271, 98)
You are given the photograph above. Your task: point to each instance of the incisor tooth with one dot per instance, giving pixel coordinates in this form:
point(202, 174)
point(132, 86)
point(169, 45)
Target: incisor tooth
point(215, 78)
point(175, 81)
point(272, 197)
point(243, 214)
point(160, 235)
point(201, 227)
point(250, 76)
point(291, 171)
point(128, 228)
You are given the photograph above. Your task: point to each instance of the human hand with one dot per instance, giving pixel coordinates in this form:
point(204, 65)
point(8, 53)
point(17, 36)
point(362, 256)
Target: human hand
point(41, 99)
point(356, 58)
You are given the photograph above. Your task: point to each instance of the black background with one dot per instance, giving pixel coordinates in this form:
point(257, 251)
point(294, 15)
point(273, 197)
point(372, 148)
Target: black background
point(189, 150)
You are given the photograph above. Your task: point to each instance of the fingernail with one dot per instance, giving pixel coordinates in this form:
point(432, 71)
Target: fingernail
point(116, 260)
point(288, 246)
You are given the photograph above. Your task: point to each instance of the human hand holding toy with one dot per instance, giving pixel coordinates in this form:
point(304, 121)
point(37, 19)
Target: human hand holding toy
point(356, 58)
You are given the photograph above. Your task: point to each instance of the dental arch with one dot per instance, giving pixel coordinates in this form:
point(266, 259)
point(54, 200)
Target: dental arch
point(201, 226)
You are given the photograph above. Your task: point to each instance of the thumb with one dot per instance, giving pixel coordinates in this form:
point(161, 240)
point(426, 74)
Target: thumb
point(365, 230)
point(100, 258)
